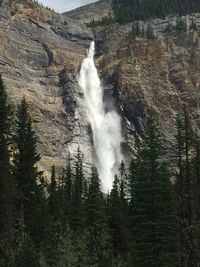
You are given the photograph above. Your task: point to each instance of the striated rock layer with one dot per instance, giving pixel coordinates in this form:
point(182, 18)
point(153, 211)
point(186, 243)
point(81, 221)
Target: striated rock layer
point(40, 56)
point(40, 53)
point(162, 73)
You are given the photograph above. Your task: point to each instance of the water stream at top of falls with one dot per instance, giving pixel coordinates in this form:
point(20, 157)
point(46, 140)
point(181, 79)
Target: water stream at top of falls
point(106, 126)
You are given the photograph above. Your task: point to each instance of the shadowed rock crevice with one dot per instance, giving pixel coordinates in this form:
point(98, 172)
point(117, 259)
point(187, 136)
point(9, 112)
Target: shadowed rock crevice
point(49, 54)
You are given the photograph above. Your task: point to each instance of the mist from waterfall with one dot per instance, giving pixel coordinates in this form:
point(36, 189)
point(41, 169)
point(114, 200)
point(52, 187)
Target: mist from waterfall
point(106, 127)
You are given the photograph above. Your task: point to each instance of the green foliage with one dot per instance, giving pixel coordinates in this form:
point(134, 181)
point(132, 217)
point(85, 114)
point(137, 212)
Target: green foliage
point(69, 222)
point(131, 10)
point(155, 219)
point(7, 183)
point(73, 251)
point(187, 186)
point(118, 219)
point(139, 30)
point(53, 198)
point(26, 254)
point(102, 22)
point(31, 201)
point(193, 25)
point(181, 24)
point(78, 196)
point(98, 239)
point(196, 198)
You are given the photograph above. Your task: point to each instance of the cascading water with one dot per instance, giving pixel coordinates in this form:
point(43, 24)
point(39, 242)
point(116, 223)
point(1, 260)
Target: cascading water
point(106, 127)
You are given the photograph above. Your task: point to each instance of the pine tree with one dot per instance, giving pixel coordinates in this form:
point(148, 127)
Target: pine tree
point(53, 196)
point(131, 182)
point(193, 26)
point(31, 200)
point(150, 32)
point(185, 190)
point(155, 223)
point(73, 251)
point(7, 185)
point(123, 184)
point(130, 10)
point(118, 219)
point(180, 185)
point(196, 198)
point(131, 207)
point(26, 156)
point(77, 202)
point(26, 254)
point(99, 246)
point(68, 177)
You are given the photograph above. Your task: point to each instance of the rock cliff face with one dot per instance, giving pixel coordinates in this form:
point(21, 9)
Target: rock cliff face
point(41, 53)
point(163, 73)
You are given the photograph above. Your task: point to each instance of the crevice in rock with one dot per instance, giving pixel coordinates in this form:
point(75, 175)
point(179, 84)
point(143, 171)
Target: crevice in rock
point(67, 83)
point(49, 54)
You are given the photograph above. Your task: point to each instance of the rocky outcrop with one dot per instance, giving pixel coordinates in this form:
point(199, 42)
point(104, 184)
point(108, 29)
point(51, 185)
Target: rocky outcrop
point(163, 73)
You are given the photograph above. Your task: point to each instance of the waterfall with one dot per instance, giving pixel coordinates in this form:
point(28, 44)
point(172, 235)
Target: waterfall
point(106, 127)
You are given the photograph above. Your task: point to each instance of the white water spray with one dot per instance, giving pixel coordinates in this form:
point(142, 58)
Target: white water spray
point(106, 127)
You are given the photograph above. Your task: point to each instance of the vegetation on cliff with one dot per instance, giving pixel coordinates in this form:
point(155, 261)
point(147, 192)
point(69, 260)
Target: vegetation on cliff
point(129, 10)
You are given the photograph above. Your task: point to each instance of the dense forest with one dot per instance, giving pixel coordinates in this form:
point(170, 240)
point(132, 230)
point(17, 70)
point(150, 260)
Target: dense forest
point(130, 10)
point(150, 218)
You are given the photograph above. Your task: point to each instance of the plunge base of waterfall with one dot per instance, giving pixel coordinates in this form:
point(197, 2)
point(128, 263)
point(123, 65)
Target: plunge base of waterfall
point(106, 127)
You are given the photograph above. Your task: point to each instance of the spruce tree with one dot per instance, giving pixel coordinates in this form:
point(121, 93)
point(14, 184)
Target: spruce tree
point(53, 196)
point(31, 200)
point(68, 177)
point(130, 10)
point(196, 198)
point(26, 156)
point(180, 185)
point(77, 217)
point(99, 246)
point(185, 181)
point(118, 219)
point(26, 254)
point(7, 185)
point(155, 222)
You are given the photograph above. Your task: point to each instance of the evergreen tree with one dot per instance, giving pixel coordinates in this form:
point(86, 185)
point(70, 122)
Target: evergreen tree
point(131, 182)
point(150, 32)
point(73, 251)
point(26, 254)
point(99, 247)
point(180, 185)
point(68, 177)
point(184, 186)
point(130, 10)
point(53, 196)
point(118, 219)
point(31, 200)
point(77, 201)
point(181, 24)
point(7, 186)
point(131, 209)
point(155, 223)
point(196, 199)
point(26, 156)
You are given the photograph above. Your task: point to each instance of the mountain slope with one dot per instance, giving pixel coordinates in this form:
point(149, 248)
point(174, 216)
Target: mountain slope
point(96, 11)
point(163, 73)
point(38, 51)
point(41, 53)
